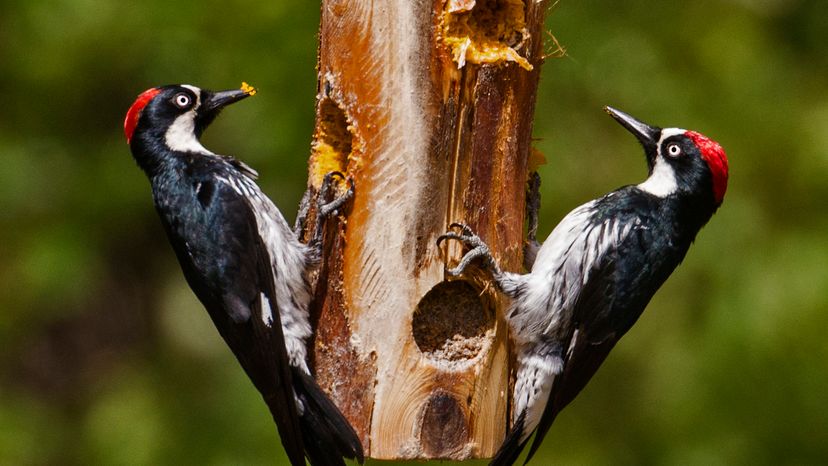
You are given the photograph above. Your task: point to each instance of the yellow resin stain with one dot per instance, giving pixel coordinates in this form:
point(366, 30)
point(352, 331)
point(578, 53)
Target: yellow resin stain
point(485, 31)
point(333, 143)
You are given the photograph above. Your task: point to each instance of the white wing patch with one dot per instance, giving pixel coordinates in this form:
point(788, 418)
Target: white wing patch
point(533, 384)
point(288, 258)
point(267, 311)
point(542, 314)
point(231, 183)
point(558, 272)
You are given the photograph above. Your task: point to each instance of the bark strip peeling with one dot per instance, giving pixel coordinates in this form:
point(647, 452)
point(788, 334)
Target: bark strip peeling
point(430, 134)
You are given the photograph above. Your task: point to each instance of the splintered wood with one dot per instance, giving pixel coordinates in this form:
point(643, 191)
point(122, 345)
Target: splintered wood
point(430, 134)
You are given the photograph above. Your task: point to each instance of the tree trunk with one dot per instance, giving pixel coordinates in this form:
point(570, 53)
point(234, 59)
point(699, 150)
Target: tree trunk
point(427, 106)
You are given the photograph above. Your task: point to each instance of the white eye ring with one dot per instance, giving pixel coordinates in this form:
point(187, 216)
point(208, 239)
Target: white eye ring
point(182, 100)
point(673, 150)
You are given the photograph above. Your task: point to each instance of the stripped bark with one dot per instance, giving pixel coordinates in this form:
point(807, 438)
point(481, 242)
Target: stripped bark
point(427, 106)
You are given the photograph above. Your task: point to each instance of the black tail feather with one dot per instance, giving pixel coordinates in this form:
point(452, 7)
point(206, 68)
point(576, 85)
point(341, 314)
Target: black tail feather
point(318, 441)
point(327, 434)
point(512, 445)
point(290, 435)
point(540, 433)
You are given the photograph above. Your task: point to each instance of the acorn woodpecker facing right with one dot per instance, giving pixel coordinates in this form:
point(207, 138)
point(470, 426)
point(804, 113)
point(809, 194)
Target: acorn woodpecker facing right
point(242, 261)
point(597, 271)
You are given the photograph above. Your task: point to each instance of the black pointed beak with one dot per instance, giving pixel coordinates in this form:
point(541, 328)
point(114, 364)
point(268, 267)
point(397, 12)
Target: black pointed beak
point(214, 101)
point(646, 134)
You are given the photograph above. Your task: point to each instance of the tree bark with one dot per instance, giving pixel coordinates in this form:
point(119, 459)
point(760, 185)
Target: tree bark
point(427, 106)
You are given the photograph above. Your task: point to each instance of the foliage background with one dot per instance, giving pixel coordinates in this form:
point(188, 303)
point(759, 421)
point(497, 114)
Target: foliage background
point(108, 359)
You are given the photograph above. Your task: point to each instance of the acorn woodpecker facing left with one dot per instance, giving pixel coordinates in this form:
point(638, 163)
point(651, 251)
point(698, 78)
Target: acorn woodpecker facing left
point(242, 261)
point(596, 272)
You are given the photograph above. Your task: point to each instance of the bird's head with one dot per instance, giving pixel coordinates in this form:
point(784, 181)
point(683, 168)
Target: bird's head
point(679, 160)
point(176, 115)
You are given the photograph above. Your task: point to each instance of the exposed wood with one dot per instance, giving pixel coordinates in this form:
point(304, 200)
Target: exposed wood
point(428, 106)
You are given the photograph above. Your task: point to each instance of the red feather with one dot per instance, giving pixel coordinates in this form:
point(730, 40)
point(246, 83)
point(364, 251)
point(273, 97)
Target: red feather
point(716, 159)
point(134, 112)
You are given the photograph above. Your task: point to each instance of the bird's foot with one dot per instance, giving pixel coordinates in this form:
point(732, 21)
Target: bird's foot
point(325, 208)
point(477, 248)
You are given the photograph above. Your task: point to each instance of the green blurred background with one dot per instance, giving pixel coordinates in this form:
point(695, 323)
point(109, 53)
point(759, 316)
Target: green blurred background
point(107, 358)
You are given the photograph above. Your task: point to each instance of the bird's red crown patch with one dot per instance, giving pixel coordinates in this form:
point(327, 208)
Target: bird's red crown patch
point(134, 112)
point(716, 159)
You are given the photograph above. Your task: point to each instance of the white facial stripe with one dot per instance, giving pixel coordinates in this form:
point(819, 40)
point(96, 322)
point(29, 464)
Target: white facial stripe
point(181, 135)
point(662, 182)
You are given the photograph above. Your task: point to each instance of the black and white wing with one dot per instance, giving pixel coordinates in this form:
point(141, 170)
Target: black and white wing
point(327, 435)
point(228, 266)
point(571, 264)
point(588, 348)
point(609, 301)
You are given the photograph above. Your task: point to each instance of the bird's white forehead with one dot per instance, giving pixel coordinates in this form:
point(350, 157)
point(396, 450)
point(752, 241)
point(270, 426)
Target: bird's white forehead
point(670, 132)
point(195, 90)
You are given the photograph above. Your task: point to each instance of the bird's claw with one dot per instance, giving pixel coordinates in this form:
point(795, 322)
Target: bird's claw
point(465, 229)
point(327, 209)
point(465, 232)
point(477, 248)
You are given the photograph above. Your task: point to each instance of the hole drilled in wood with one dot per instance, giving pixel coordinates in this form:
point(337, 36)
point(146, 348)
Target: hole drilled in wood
point(452, 322)
point(333, 141)
point(485, 31)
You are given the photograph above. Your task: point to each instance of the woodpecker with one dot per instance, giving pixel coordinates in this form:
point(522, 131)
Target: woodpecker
point(596, 272)
point(242, 261)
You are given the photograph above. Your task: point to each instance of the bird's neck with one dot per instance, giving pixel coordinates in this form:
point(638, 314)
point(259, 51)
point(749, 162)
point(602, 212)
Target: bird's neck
point(155, 157)
point(688, 214)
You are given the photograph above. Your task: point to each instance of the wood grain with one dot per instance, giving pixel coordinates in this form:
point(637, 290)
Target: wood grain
point(418, 361)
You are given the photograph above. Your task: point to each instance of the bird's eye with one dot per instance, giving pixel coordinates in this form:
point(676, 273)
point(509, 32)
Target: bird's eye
point(673, 150)
point(182, 100)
